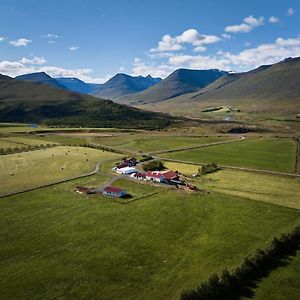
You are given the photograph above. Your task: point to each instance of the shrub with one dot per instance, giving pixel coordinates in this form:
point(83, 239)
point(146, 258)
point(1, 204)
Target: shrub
point(155, 165)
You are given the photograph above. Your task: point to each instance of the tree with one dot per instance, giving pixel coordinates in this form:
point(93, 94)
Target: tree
point(155, 165)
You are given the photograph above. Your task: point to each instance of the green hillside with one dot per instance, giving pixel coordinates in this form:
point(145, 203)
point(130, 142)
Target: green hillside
point(28, 102)
point(269, 90)
point(179, 82)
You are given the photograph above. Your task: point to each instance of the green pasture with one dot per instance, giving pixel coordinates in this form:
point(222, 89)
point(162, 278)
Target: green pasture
point(267, 153)
point(56, 243)
point(280, 190)
point(149, 143)
point(35, 168)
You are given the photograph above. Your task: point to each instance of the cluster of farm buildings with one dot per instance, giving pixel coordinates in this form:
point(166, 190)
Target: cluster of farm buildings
point(128, 167)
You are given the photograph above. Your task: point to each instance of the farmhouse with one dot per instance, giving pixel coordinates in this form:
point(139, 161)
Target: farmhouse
point(163, 177)
point(155, 176)
point(114, 192)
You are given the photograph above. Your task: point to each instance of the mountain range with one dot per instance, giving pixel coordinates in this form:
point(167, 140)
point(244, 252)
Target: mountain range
point(119, 85)
point(179, 82)
point(268, 90)
point(123, 84)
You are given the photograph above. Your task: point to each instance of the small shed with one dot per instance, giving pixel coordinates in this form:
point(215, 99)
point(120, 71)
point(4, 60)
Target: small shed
point(114, 192)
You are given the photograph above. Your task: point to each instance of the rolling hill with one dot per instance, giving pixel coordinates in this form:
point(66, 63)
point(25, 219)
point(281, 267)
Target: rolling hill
point(273, 89)
point(180, 82)
point(123, 84)
point(30, 102)
point(40, 77)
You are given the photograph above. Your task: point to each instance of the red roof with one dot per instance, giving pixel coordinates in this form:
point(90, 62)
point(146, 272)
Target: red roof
point(123, 165)
point(139, 174)
point(170, 175)
point(112, 189)
point(154, 174)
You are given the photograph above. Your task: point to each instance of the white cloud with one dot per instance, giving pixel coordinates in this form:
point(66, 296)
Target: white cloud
point(190, 36)
point(253, 22)
point(238, 28)
point(15, 68)
point(51, 42)
point(274, 20)
point(226, 36)
point(33, 61)
point(245, 60)
point(121, 69)
point(290, 11)
point(199, 62)
point(199, 49)
point(2, 38)
point(247, 44)
point(249, 23)
point(73, 48)
point(265, 53)
point(20, 42)
point(50, 36)
point(167, 44)
point(144, 68)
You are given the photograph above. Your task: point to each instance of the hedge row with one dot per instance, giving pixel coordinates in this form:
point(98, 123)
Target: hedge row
point(25, 148)
point(235, 284)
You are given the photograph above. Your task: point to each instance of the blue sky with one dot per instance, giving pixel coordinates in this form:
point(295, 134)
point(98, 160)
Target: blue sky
point(93, 40)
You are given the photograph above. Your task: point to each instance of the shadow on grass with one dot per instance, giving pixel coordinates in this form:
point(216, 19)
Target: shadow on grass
point(247, 292)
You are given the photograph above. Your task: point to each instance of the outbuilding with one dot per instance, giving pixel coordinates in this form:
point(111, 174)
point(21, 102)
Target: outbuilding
point(114, 192)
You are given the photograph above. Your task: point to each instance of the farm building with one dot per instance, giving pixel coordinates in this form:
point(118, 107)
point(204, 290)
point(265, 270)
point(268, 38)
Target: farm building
point(170, 175)
point(165, 176)
point(154, 176)
point(127, 163)
point(139, 175)
point(114, 192)
point(126, 170)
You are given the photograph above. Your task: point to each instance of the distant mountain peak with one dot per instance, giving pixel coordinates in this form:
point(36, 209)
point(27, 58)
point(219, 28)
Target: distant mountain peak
point(123, 84)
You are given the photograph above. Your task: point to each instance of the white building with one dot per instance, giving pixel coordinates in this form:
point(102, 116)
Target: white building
point(126, 170)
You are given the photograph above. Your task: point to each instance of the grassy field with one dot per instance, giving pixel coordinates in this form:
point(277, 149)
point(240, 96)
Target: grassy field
point(39, 167)
point(56, 243)
point(21, 141)
point(267, 188)
point(283, 283)
point(268, 154)
point(148, 143)
point(185, 169)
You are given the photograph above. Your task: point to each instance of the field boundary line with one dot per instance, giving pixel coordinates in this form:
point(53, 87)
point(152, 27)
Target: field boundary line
point(196, 146)
point(233, 167)
point(95, 171)
point(297, 160)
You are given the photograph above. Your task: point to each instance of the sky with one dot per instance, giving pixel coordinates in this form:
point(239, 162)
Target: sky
point(93, 40)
